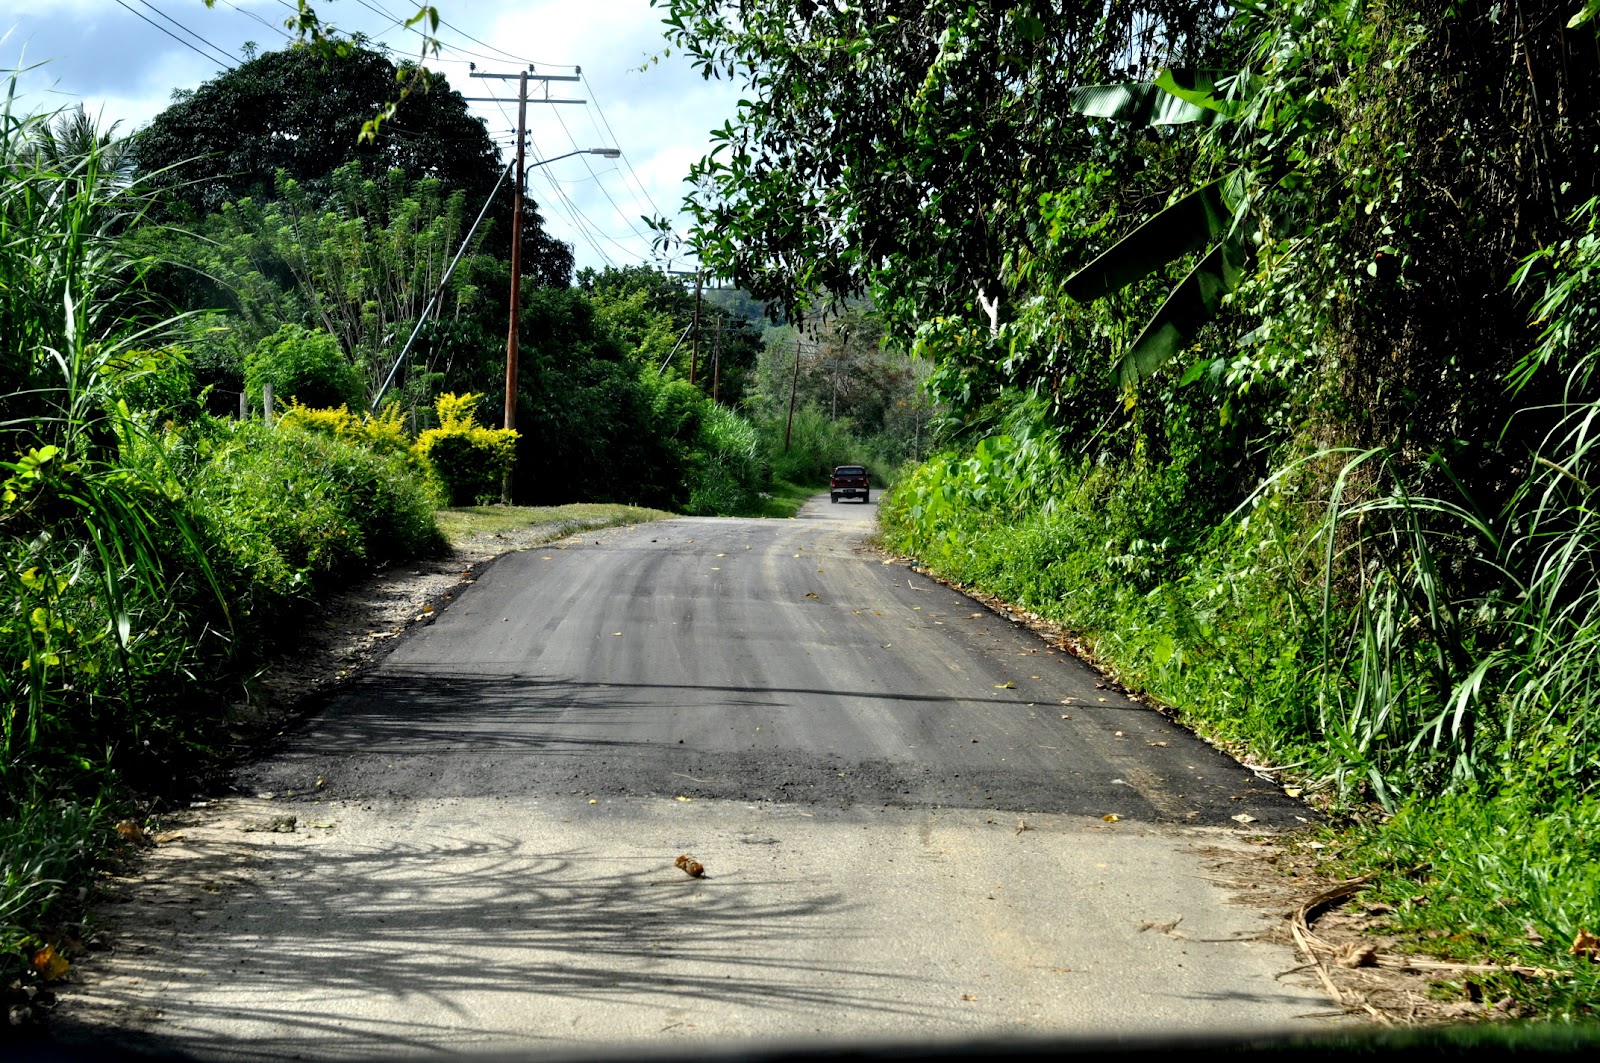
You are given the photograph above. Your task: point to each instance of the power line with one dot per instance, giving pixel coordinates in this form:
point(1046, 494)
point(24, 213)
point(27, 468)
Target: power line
point(603, 190)
point(614, 139)
point(508, 55)
point(189, 31)
point(174, 36)
point(400, 23)
point(279, 30)
point(559, 203)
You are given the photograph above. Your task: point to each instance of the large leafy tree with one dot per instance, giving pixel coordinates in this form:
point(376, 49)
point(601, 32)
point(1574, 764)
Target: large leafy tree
point(301, 111)
point(905, 143)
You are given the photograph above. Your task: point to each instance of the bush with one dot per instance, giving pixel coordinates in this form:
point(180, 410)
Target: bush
point(726, 474)
point(303, 365)
point(468, 460)
point(384, 433)
point(287, 508)
point(159, 382)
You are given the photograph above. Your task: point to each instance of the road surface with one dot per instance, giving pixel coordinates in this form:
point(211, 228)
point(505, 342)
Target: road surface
point(901, 802)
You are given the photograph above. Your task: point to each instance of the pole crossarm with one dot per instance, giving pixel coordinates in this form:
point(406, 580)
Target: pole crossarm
point(531, 77)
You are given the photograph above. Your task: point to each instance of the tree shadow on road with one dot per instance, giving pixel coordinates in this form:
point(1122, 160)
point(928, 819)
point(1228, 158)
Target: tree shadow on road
point(466, 941)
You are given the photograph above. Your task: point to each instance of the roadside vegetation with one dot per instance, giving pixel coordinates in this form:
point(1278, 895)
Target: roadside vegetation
point(1263, 339)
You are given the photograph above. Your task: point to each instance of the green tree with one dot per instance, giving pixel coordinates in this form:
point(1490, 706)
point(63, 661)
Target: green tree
point(300, 111)
point(360, 263)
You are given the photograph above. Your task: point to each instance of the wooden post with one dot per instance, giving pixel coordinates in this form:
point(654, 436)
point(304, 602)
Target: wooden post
point(244, 405)
point(510, 418)
point(266, 404)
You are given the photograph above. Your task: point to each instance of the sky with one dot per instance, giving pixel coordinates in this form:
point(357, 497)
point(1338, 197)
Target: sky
point(122, 59)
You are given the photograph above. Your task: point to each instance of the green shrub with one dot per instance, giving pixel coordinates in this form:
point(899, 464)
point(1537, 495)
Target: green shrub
point(286, 507)
point(469, 461)
point(384, 433)
point(305, 365)
point(154, 381)
point(726, 473)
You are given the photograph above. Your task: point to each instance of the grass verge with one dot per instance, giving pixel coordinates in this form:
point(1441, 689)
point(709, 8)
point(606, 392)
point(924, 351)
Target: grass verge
point(784, 499)
point(466, 526)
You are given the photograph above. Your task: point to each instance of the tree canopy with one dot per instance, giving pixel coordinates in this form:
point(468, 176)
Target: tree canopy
point(300, 112)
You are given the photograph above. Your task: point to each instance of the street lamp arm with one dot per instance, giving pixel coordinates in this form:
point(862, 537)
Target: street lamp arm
point(610, 153)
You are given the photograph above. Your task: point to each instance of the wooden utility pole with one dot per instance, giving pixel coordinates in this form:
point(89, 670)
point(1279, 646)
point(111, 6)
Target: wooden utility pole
point(794, 386)
point(694, 348)
point(523, 77)
point(512, 351)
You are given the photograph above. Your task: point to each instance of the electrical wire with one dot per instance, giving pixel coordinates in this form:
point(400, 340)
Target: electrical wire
point(279, 30)
point(589, 89)
point(502, 51)
point(560, 203)
point(603, 190)
point(174, 36)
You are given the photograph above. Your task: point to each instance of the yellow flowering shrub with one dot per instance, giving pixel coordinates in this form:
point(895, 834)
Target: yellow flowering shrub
point(467, 459)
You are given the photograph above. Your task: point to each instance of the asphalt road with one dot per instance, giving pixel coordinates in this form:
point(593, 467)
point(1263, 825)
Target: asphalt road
point(898, 796)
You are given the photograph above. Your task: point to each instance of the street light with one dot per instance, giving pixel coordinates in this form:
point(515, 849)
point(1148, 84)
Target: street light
point(609, 153)
point(510, 418)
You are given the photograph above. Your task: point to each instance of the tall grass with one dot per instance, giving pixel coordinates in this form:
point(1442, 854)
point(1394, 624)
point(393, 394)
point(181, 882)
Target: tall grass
point(1461, 646)
point(87, 577)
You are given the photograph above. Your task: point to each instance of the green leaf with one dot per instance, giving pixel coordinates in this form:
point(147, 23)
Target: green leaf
point(1144, 105)
point(1193, 222)
point(1199, 87)
point(1590, 10)
point(1190, 305)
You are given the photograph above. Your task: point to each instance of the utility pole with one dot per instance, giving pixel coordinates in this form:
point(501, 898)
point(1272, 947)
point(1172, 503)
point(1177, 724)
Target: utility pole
point(694, 347)
point(512, 352)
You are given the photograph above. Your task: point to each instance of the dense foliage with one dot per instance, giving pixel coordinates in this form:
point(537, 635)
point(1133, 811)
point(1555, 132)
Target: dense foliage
point(1266, 333)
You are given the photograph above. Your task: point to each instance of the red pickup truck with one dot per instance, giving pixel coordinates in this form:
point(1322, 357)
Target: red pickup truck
point(849, 481)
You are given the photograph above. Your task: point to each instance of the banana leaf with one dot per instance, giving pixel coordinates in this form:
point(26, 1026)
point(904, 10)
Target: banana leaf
point(1190, 305)
point(1145, 105)
point(1193, 222)
point(1199, 87)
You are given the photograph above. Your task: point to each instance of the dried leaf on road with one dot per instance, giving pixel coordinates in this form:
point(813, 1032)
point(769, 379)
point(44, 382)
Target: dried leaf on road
point(1244, 817)
point(811, 594)
point(169, 837)
point(1007, 685)
point(50, 964)
point(1111, 817)
point(129, 831)
point(968, 996)
point(691, 867)
point(1356, 954)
